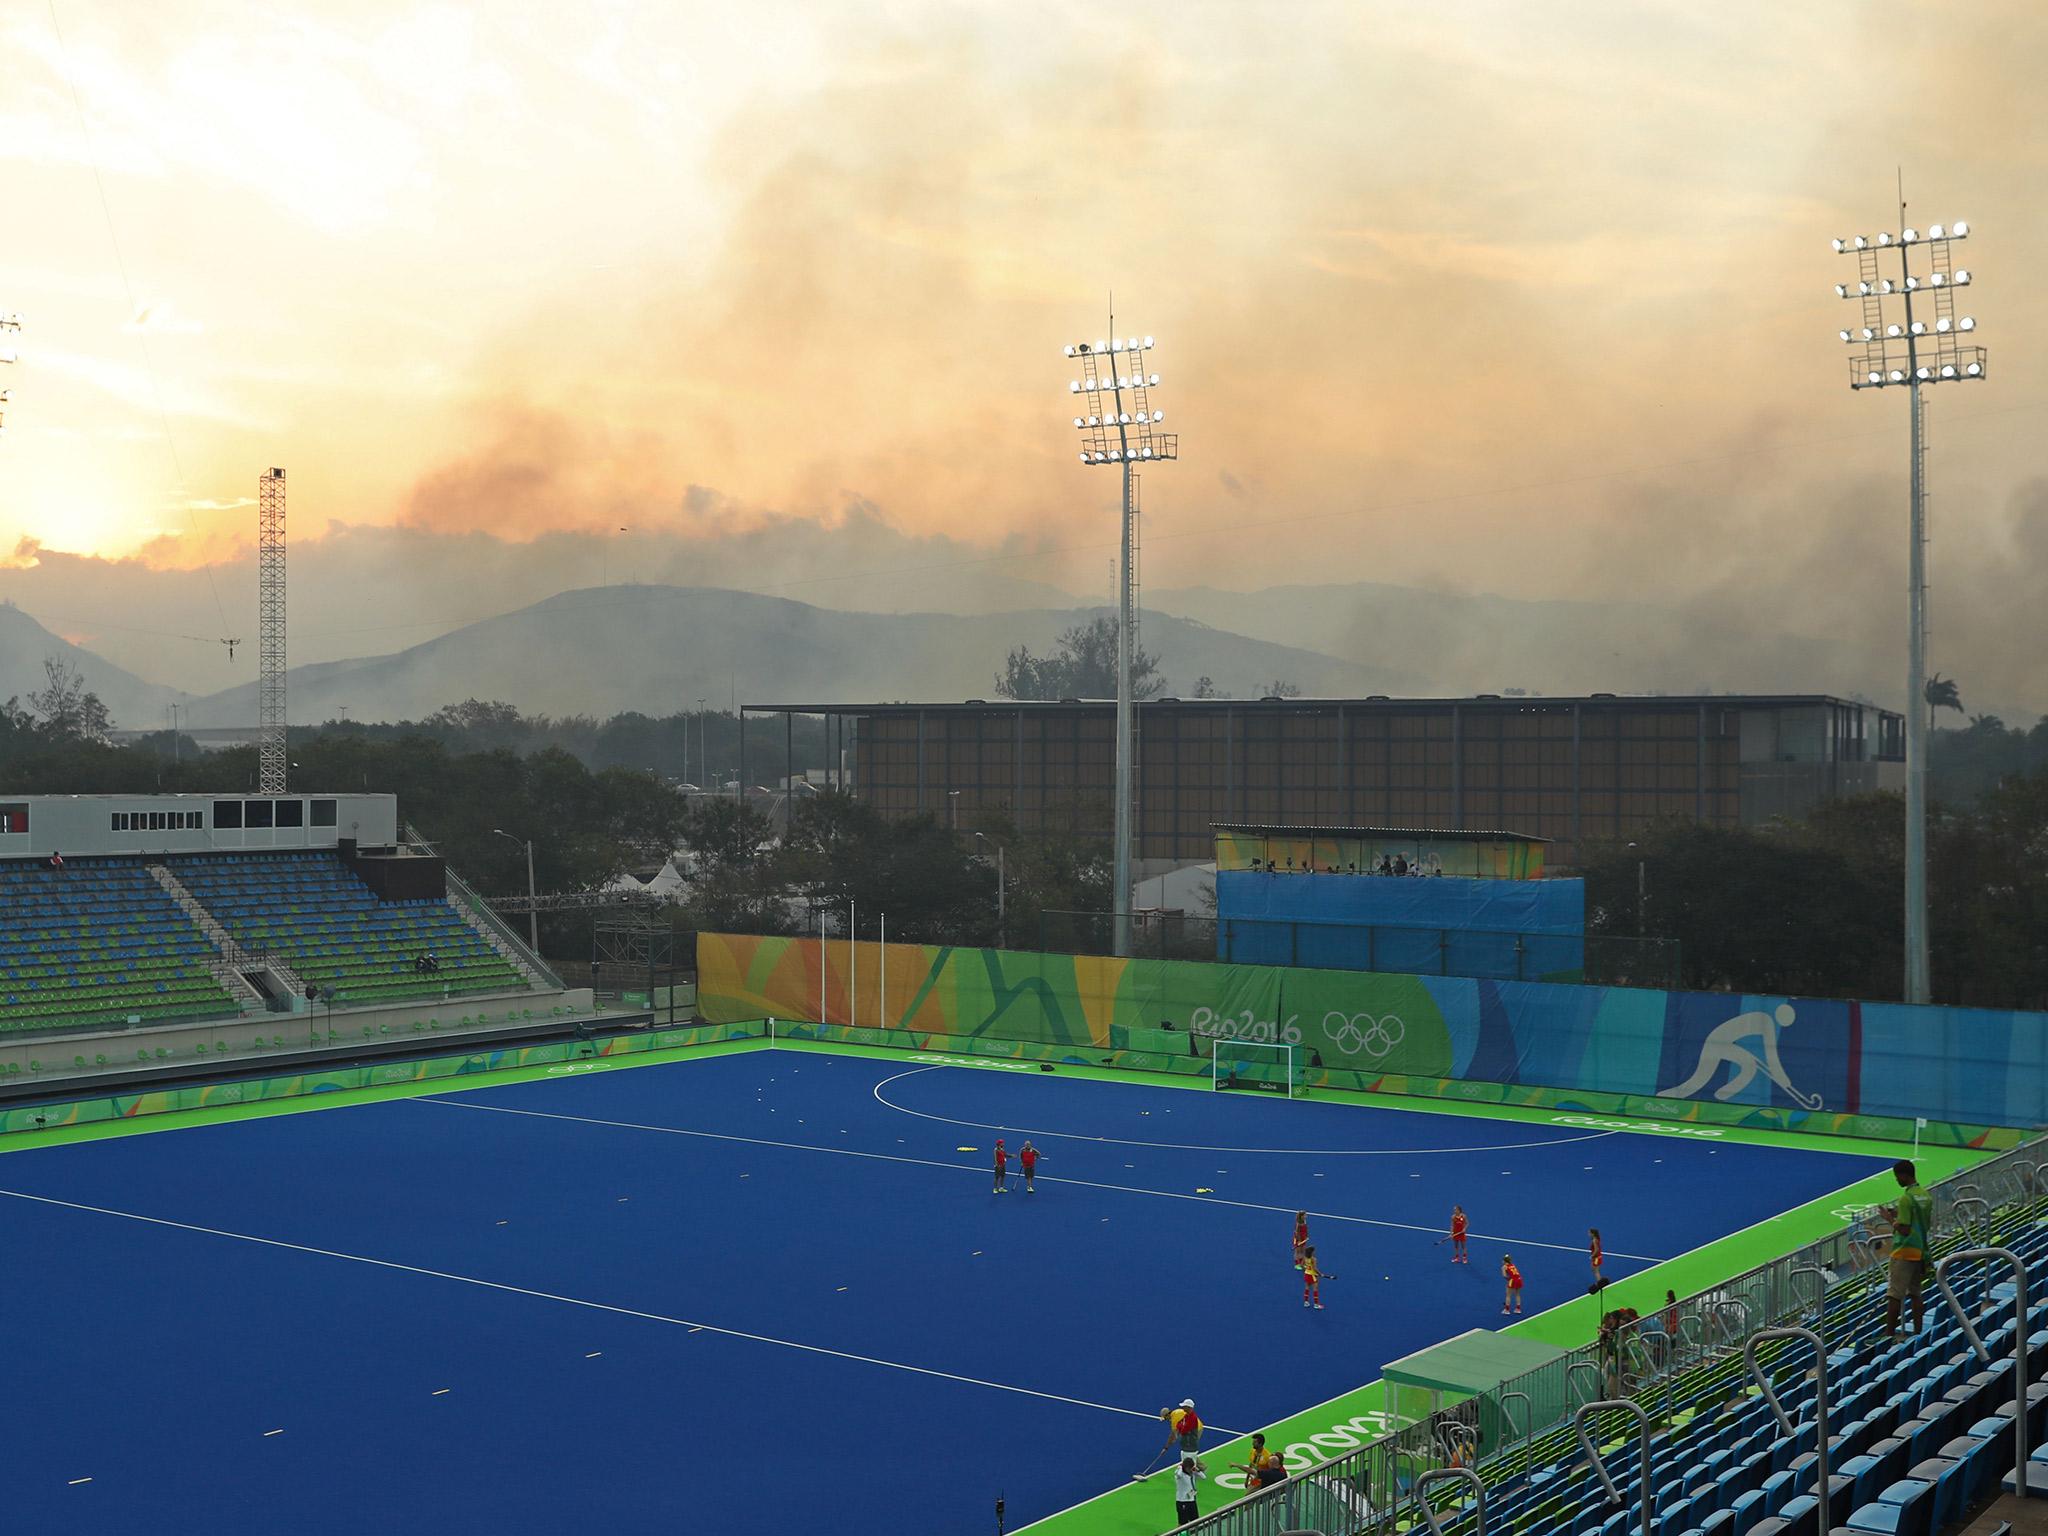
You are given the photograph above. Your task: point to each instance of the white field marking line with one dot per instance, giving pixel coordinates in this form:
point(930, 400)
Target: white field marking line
point(1188, 1146)
point(594, 1306)
point(1043, 1178)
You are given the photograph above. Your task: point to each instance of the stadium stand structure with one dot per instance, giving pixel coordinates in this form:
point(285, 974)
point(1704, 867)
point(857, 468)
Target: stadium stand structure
point(310, 912)
point(1920, 1430)
point(98, 944)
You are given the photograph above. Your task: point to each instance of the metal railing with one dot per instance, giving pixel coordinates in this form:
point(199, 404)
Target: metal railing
point(462, 891)
point(1762, 1378)
point(1364, 1492)
point(1634, 1410)
point(2021, 1439)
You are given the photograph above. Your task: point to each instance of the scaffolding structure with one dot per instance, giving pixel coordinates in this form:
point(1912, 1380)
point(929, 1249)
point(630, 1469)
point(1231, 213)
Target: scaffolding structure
point(631, 948)
point(270, 727)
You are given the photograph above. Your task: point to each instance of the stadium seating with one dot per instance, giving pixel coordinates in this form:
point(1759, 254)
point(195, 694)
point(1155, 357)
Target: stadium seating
point(96, 944)
point(310, 911)
point(1919, 1429)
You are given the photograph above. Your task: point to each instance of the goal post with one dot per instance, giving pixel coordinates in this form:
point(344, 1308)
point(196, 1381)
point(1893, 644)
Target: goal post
point(1264, 1066)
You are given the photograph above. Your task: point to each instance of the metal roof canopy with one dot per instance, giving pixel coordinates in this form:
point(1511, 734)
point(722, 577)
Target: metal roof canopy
point(1515, 702)
point(1471, 1363)
point(1406, 834)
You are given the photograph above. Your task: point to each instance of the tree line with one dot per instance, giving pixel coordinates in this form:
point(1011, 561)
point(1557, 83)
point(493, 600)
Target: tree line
point(1816, 907)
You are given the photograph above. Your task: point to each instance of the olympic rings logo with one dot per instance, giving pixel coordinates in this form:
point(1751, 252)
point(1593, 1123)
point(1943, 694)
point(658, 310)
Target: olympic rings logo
point(1375, 1036)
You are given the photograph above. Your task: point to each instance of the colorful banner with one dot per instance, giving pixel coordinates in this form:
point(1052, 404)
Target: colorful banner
point(1790, 1060)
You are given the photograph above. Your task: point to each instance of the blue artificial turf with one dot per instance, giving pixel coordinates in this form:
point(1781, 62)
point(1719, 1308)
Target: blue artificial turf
point(153, 1358)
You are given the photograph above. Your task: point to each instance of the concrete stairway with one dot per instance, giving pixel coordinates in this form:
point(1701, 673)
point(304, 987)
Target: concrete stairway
point(233, 961)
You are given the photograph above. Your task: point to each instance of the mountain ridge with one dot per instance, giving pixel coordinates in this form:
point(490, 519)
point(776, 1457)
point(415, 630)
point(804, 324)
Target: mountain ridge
point(601, 651)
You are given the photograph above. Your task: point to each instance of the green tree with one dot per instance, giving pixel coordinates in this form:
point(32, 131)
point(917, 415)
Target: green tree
point(68, 710)
point(1083, 666)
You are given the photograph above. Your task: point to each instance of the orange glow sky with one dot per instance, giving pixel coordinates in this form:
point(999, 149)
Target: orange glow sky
point(1505, 295)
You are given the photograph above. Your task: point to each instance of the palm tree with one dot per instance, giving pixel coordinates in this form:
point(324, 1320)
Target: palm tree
point(1942, 693)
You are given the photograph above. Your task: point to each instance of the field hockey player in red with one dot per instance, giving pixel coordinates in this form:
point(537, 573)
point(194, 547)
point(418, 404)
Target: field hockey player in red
point(1300, 1236)
point(1598, 1253)
point(1002, 1168)
point(1458, 1225)
point(1511, 1302)
point(1027, 1164)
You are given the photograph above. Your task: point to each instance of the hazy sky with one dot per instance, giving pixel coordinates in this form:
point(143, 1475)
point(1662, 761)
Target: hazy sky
point(1500, 296)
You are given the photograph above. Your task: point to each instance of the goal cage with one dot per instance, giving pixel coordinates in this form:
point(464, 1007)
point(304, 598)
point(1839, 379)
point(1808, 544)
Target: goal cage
point(1263, 1066)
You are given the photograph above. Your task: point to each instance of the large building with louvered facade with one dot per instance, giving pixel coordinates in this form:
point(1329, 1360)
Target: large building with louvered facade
point(1573, 770)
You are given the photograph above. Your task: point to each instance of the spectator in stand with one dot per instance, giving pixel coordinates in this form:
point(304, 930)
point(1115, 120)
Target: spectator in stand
point(1400, 863)
point(56, 859)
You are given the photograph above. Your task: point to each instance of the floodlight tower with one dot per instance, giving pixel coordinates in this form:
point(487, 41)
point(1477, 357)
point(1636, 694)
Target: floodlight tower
point(1907, 353)
point(10, 327)
point(1119, 427)
point(270, 728)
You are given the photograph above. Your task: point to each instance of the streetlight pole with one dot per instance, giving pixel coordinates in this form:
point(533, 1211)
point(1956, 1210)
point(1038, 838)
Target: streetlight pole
point(1002, 918)
point(1118, 427)
point(1912, 352)
point(532, 896)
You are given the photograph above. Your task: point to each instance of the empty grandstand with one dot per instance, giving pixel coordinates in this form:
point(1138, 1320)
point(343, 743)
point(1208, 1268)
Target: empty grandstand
point(311, 913)
point(96, 943)
point(140, 928)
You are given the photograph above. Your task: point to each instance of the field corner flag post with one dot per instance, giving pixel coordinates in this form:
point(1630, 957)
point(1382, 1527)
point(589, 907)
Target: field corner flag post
point(999, 1512)
point(1919, 1125)
point(884, 984)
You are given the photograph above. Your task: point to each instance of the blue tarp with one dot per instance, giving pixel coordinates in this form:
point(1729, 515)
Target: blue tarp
point(1500, 906)
point(1526, 930)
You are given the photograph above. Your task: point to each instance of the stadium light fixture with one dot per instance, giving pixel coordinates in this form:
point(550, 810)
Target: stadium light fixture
point(1119, 426)
point(1912, 353)
point(10, 327)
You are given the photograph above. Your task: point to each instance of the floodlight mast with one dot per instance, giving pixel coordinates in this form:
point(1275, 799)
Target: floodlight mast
point(1931, 355)
point(10, 327)
point(1118, 405)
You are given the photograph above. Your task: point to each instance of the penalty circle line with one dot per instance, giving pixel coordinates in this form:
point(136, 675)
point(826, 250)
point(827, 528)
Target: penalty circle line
point(1189, 1146)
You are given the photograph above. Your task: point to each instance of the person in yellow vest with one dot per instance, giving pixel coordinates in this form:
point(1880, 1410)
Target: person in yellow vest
point(1912, 1218)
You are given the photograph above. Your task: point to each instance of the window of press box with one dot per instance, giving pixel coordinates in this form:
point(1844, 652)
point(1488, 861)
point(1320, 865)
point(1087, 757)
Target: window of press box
point(323, 813)
point(13, 818)
point(227, 813)
point(291, 813)
point(156, 821)
point(256, 813)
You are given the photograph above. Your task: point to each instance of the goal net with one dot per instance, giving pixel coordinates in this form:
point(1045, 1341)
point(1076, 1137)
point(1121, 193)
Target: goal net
point(1265, 1066)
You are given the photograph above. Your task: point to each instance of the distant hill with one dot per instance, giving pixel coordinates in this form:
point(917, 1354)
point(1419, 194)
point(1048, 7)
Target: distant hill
point(660, 649)
point(1462, 644)
point(24, 644)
